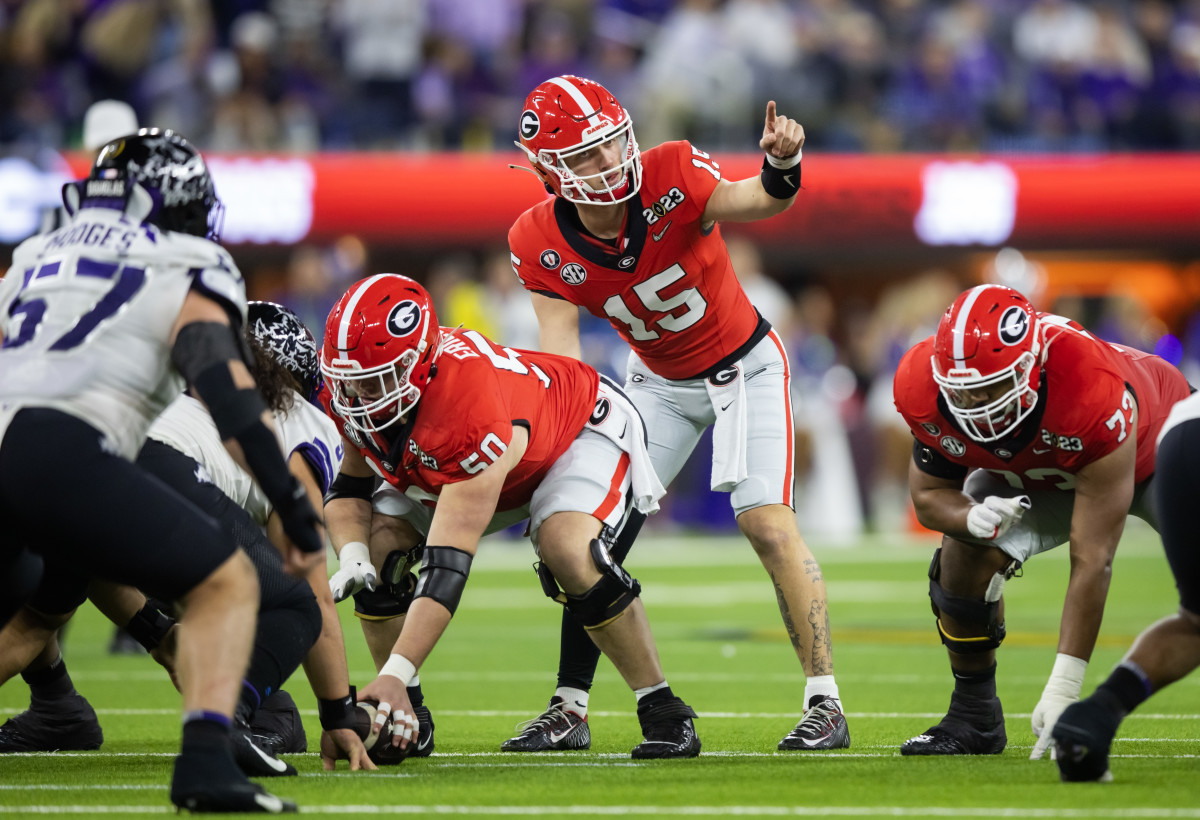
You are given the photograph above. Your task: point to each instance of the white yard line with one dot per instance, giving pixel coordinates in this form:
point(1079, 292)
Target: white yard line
point(658, 811)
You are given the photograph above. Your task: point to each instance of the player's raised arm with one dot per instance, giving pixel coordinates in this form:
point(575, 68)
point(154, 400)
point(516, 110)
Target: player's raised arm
point(774, 190)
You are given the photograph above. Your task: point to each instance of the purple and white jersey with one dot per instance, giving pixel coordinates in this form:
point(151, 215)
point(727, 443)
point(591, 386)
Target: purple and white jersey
point(304, 429)
point(87, 311)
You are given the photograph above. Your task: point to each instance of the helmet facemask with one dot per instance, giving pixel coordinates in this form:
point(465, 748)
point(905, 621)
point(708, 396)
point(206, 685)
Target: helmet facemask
point(594, 189)
point(999, 416)
point(374, 399)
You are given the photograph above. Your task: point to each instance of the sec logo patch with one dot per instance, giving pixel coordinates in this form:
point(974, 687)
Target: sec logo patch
point(573, 274)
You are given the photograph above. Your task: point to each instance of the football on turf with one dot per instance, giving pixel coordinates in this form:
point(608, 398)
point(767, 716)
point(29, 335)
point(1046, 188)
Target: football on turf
point(375, 740)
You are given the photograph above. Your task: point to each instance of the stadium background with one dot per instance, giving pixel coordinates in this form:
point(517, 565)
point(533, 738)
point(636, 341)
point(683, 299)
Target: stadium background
point(1044, 144)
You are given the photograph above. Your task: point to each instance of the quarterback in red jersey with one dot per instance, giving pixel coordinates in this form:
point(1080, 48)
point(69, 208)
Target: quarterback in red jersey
point(471, 437)
point(633, 238)
point(1029, 432)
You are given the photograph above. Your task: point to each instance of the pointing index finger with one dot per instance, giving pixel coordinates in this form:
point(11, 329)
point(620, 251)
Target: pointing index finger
point(771, 115)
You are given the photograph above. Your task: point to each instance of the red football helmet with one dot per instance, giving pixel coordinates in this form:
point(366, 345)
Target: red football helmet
point(987, 360)
point(567, 116)
point(381, 343)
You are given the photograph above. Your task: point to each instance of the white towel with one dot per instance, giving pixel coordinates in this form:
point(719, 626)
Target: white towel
point(623, 426)
point(729, 433)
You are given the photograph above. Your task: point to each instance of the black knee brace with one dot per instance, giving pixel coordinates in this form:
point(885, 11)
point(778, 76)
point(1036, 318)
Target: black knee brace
point(394, 594)
point(983, 616)
point(608, 597)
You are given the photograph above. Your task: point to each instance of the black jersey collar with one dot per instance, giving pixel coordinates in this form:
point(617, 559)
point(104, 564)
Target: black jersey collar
point(570, 226)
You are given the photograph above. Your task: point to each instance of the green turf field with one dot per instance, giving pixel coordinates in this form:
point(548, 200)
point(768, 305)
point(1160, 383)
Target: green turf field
point(725, 652)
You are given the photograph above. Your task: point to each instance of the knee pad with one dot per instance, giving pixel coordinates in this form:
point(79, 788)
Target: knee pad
point(394, 593)
point(607, 598)
point(981, 616)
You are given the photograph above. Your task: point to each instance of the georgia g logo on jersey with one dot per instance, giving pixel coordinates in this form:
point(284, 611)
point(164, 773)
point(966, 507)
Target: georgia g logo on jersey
point(530, 124)
point(1014, 325)
point(404, 318)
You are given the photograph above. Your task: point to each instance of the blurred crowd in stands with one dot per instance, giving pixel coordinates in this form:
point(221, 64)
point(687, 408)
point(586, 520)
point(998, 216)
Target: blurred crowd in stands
point(861, 75)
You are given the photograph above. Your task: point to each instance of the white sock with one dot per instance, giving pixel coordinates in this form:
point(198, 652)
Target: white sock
point(821, 685)
point(574, 699)
point(641, 693)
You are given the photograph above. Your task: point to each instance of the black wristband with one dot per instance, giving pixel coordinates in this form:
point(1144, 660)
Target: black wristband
point(780, 183)
point(337, 713)
point(149, 625)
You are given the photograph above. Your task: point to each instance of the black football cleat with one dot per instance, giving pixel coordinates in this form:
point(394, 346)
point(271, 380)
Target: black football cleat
point(208, 781)
point(556, 729)
point(668, 730)
point(276, 726)
point(823, 726)
point(59, 725)
point(424, 747)
point(1083, 736)
point(973, 726)
point(254, 760)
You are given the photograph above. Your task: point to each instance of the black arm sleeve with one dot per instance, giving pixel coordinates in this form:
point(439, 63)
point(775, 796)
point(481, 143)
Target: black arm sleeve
point(202, 354)
point(349, 486)
point(935, 464)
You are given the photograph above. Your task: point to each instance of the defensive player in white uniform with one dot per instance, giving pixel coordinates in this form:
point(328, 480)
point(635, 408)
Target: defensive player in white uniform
point(104, 322)
point(185, 451)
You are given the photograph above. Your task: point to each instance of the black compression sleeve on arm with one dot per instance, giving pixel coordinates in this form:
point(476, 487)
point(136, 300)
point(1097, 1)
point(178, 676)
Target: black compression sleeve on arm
point(202, 353)
point(351, 486)
point(935, 464)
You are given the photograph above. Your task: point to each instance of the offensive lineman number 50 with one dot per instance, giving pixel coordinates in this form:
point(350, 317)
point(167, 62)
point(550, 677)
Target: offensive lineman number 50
point(649, 293)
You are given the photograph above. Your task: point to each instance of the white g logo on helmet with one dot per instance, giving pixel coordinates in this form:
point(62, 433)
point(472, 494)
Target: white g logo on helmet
point(530, 124)
point(1014, 324)
point(404, 318)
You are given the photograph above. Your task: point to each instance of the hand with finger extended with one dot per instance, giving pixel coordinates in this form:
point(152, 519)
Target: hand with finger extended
point(356, 572)
point(782, 136)
point(994, 515)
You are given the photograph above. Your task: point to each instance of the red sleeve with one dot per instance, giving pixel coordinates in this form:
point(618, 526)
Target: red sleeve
point(1086, 400)
point(697, 173)
point(913, 389)
point(534, 262)
point(481, 430)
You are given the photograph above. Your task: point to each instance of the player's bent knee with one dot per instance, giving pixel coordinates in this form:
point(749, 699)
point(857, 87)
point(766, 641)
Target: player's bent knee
point(979, 617)
point(605, 601)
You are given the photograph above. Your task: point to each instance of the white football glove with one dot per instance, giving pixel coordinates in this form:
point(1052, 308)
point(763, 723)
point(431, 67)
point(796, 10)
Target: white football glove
point(995, 515)
point(1061, 691)
point(357, 572)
